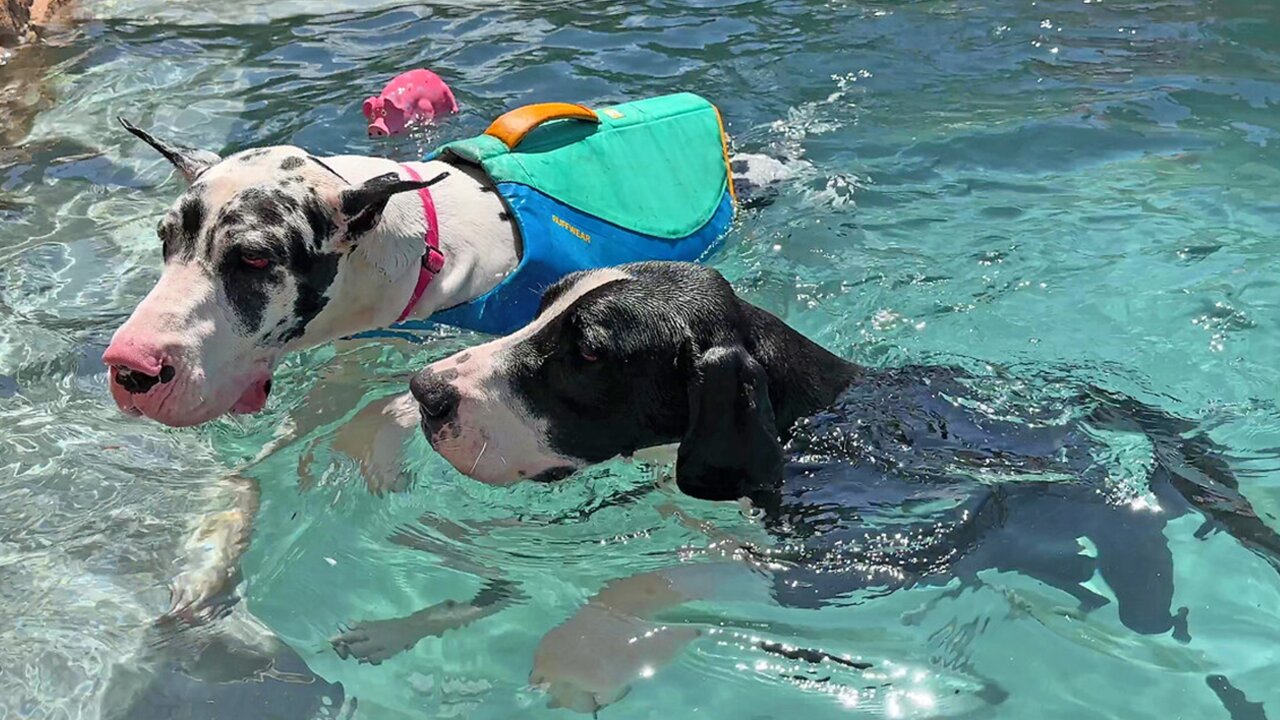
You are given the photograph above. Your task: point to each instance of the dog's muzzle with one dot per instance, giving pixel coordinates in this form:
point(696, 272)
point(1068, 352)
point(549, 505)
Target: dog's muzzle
point(437, 399)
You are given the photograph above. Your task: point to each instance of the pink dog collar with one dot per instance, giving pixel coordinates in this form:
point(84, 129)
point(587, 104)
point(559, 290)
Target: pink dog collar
point(432, 258)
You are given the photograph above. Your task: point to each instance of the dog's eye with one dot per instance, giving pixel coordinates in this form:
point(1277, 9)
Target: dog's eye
point(587, 354)
point(257, 263)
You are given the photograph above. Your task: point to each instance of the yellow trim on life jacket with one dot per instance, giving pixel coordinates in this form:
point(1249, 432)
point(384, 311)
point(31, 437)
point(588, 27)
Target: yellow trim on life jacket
point(728, 166)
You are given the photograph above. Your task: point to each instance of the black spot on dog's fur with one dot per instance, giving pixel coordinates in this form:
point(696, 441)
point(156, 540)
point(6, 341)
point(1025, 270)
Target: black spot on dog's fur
point(192, 216)
point(248, 290)
point(313, 272)
point(292, 162)
point(264, 206)
point(288, 203)
point(363, 223)
point(503, 215)
point(295, 236)
point(318, 218)
point(231, 219)
point(251, 155)
point(272, 335)
point(170, 240)
point(264, 209)
point(180, 239)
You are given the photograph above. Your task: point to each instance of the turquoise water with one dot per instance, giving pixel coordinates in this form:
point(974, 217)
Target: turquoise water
point(1081, 186)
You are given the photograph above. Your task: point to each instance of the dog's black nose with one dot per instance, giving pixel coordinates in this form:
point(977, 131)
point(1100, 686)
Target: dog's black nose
point(437, 397)
point(138, 382)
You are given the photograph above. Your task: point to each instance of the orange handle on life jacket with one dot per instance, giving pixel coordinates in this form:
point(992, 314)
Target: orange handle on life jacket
point(513, 125)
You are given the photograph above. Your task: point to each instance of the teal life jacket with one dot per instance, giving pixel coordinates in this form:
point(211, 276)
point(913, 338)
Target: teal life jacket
point(645, 180)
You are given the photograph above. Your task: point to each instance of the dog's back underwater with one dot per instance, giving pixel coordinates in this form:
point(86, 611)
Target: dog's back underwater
point(923, 475)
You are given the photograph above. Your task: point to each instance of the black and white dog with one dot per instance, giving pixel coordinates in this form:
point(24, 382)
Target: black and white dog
point(644, 355)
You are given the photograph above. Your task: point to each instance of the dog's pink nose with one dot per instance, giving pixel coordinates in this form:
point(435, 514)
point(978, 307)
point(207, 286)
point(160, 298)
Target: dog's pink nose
point(136, 369)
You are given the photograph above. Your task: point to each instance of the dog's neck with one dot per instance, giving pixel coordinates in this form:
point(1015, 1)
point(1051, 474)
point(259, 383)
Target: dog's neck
point(480, 245)
point(803, 376)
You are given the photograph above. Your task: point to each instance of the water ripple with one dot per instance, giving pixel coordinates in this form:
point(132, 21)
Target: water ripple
point(1060, 184)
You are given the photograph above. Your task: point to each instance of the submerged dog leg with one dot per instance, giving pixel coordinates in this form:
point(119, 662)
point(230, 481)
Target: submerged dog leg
point(202, 590)
point(373, 641)
point(376, 640)
point(592, 659)
point(1198, 470)
point(375, 438)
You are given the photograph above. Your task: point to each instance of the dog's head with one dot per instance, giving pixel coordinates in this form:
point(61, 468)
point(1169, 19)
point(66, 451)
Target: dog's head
point(254, 251)
point(616, 361)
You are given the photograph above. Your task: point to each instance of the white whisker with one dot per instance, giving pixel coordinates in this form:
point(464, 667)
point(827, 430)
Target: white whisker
point(479, 455)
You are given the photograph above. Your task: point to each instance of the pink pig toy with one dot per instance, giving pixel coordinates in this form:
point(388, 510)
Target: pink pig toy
point(417, 96)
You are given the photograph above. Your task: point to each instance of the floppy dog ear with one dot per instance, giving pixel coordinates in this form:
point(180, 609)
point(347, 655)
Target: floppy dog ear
point(189, 161)
point(730, 447)
point(360, 208)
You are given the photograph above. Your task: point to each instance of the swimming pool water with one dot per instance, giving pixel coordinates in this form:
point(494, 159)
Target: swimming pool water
point(1087, 186)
